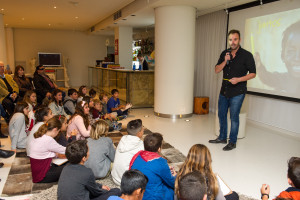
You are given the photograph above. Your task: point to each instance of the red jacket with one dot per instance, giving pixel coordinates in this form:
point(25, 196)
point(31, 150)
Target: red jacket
point(291, 192)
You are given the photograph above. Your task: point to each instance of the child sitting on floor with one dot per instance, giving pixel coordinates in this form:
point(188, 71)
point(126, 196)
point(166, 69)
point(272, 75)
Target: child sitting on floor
point(77, 181)
point(102, 151)
point(293, 175)
point(128, 146)
point(114, 105)
point(96, 112)
point(104, 99)
point(149, 162)
point(133, 185)
point(43, 149)
point(17, 126)
point(192, 186)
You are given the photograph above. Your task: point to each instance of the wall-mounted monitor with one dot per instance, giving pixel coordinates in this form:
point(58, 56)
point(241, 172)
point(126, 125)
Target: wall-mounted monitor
point(49, 59)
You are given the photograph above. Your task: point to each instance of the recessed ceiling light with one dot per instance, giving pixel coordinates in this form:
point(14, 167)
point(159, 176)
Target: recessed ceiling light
point(124, 19)
point(76, 17)
point(2, 9)
point(54, 7)
point(49, 24)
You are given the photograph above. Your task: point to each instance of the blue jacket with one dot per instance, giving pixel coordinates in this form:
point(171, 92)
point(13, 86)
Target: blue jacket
point(161, 182)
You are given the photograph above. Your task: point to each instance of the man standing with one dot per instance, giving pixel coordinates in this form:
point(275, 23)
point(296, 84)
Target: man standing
point(235, 63)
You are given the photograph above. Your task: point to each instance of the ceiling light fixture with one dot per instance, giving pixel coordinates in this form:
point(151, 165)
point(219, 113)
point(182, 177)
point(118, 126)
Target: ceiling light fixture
point(49, 24)
point(54, 7)
point(76, 17)
point(2, 9)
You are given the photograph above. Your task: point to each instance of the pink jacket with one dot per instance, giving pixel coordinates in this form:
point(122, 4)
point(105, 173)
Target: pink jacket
point(78, 124)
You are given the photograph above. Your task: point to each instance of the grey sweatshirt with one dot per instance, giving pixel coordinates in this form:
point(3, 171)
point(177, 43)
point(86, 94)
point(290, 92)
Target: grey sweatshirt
point(70, 104)
point(17, 131)
point(102, 153)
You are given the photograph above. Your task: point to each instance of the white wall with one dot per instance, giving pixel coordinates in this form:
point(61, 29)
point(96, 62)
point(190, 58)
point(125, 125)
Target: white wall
point(80, 48)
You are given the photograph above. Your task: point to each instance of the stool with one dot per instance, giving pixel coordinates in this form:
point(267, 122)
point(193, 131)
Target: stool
point(201, 105)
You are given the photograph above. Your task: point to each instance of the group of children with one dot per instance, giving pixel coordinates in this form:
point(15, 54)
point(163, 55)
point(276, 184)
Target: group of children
point(80, 135)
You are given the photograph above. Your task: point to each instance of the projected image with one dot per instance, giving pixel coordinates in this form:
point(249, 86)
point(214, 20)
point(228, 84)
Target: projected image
point(274, 41)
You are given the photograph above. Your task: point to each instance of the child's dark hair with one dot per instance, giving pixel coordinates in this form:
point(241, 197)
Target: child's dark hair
point(92, 92)
point(80, 93)
point(48, 126)
point(113, 91)
point(132, 180)
point(153, 142)
point(40, 113)
point(76, 150)
point(294, 171)
point(101, 96)
point(20, 109)
point(134, 126)
point(87, 99)
point(71, 91)
point(54, 93)
point(192, 186)
point(80, 111)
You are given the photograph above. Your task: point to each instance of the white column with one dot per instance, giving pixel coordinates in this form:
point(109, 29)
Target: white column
point(10, 51)
point(174, 61)
point(2, 41)
point(124, 36)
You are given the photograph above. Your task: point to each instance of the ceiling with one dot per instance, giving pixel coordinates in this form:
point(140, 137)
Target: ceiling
point(81, 15)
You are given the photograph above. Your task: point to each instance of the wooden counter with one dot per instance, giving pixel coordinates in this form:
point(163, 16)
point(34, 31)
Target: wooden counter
point(136, 87)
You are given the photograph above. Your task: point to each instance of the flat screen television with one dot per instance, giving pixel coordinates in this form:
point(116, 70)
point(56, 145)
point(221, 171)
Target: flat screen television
point(49, 59)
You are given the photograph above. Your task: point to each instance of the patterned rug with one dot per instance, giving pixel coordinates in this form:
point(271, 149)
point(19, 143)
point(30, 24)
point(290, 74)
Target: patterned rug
point(19, 180)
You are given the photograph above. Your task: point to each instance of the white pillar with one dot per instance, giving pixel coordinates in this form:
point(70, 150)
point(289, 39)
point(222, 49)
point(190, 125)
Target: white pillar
point(10, 51)
point(174, 61)
point(124, 36)
point(2, 41)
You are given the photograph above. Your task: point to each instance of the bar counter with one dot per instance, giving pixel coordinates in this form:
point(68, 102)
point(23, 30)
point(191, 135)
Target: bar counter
point(136, 87)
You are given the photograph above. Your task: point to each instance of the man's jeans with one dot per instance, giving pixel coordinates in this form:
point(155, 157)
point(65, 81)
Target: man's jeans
point(234, 104)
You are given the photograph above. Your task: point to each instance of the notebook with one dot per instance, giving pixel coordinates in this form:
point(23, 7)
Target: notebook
point(223, 186)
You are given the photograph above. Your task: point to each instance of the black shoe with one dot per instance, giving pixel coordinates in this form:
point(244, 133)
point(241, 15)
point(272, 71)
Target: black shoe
point(2, 135)
point(6, 154)
point(1, 164)
point(217, 141)
point(229, 147)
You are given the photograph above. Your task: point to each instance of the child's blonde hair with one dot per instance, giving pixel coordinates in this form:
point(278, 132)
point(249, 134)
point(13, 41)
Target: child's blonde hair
point(99, 129)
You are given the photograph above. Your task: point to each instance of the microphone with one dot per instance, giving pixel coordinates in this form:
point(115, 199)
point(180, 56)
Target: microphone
point(228, 51)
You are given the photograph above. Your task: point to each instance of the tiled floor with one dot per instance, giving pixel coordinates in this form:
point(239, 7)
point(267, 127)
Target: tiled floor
point(259, 158)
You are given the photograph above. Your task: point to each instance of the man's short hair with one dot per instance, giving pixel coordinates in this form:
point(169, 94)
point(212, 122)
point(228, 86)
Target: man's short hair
point(233, 31)
point(71, 91)
point(134, 126)
point(132, 180)
point(153, 141)
point(192, 186)
point(92, 92)
point(294, 171)
point(113, 91)
point(76, 150)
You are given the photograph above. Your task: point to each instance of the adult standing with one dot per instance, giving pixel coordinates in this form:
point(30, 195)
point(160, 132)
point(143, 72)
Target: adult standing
point(43, 84)
point(8, 91)
point(238, 66)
